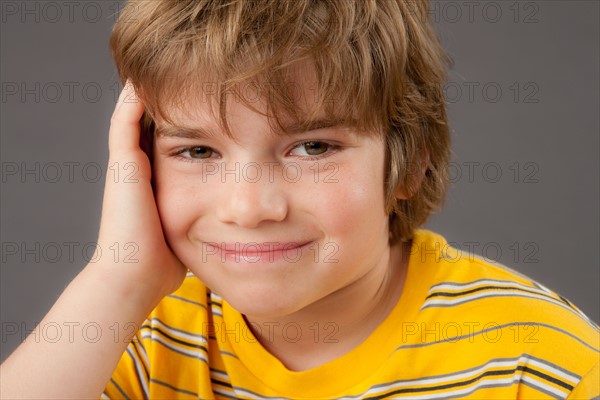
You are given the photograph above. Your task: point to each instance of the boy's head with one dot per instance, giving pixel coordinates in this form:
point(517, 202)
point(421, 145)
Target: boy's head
point(377, 64)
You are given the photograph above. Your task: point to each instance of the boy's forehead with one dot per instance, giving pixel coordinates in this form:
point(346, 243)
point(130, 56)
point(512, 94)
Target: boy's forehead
point(198, 122)
point(202, 109)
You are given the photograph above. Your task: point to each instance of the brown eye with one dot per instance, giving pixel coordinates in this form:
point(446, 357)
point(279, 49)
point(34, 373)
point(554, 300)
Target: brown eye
point(200, 152)
point(315, 148)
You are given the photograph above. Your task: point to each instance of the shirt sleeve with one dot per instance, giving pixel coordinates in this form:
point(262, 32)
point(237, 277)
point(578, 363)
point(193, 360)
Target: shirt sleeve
point(589, 386)
point(131, 376)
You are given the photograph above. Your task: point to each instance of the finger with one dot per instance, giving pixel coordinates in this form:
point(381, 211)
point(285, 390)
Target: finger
point(124, 134)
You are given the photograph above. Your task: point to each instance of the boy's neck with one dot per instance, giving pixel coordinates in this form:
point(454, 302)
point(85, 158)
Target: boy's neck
point(338, 323)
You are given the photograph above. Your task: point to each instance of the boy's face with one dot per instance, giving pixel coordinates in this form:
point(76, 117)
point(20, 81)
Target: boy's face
point(272, 223)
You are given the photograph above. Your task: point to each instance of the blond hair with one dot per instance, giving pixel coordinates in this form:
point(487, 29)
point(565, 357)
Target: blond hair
point(379, 60)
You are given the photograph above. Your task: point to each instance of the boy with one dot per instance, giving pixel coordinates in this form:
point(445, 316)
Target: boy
point(271, 129)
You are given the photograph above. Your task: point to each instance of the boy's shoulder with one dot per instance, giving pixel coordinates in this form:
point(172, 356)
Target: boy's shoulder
point(459, 282)
point(449, 282)
point(484, 316)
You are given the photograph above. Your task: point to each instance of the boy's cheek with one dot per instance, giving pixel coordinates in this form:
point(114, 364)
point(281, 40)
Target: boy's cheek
point(177, 205)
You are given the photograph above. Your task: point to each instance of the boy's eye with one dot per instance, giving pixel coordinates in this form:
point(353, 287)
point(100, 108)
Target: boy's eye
point(311, 149)
point(200, 152)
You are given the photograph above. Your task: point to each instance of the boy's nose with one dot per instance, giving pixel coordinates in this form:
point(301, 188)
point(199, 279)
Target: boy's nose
point(250, 203)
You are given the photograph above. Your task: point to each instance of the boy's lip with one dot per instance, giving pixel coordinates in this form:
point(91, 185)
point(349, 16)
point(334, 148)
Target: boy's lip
point(259, 253)
point(257, 248)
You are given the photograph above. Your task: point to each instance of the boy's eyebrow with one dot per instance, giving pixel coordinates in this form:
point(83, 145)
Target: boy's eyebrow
point(311, 125)
point(289, 129)
point(182, 132)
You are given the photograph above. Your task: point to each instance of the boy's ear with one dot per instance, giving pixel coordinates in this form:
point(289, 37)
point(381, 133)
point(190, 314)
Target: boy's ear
point(403, 193)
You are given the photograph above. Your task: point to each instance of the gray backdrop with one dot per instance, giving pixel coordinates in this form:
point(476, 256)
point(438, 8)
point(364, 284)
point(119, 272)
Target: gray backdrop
point(523, 100)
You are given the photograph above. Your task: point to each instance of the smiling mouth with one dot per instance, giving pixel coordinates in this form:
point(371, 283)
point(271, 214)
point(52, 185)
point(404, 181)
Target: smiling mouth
point(253, 252)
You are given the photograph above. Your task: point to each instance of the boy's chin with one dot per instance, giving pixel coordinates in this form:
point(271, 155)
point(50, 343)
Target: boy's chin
point(266, 307)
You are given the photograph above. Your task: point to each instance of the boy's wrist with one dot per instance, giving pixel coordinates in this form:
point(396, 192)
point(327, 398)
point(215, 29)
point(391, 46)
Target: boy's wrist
point(139, 294)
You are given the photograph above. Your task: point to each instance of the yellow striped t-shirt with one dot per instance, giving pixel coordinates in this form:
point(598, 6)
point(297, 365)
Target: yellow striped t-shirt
point(463, 328)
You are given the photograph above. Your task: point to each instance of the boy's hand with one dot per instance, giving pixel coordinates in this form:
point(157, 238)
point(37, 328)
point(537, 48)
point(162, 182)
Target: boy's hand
point(133, 270)
point(131, 237)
